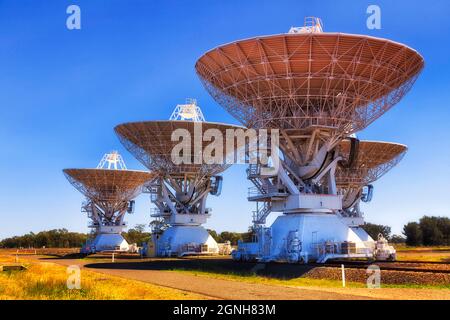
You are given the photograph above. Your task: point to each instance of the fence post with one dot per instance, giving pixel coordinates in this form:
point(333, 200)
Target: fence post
point(343, 275)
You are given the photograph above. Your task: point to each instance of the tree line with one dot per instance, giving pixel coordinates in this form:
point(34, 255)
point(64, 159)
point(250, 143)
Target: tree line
point(233, 237)
point(138, 235)
point(429, 231)
point(375, 229)
point(62, 238)
point(56, 238)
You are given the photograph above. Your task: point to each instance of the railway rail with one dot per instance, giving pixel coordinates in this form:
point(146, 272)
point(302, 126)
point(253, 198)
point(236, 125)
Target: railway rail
point(408, 266)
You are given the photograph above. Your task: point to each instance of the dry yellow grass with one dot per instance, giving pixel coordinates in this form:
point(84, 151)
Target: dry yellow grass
point(430, 254)
point(44, 280)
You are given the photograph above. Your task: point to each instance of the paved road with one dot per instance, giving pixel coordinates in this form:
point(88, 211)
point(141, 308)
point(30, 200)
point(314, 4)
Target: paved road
point(215, 288)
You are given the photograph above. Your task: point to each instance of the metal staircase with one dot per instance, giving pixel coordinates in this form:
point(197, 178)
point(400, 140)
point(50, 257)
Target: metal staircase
point(253, 174)
point(155, 212)
point(261, 213)
point(153, 190)
point(86, 207)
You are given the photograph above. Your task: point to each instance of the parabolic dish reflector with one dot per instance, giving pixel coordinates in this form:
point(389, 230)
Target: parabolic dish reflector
point(108, 185)
point(374, 159)
point(151, 143)
point(305, 80)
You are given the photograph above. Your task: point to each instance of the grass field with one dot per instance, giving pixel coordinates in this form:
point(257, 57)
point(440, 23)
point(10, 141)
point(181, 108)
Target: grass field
point(305, 281)
point(44, 280)
point(47, 280)
point(297, 282)
point(431, 254)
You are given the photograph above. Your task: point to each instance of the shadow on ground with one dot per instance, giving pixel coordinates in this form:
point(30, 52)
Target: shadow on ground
point(216, 265)
point(98, 256)
point(63, 256)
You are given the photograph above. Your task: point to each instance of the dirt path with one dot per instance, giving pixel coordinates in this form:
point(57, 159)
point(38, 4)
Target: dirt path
point(216, 288)
point(233, 289)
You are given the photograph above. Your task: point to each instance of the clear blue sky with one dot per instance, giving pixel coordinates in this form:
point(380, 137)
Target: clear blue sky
point(62, 92)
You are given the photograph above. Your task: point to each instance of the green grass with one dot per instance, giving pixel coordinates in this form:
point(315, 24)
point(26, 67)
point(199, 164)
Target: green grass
point(254, 278)
point(299, 282)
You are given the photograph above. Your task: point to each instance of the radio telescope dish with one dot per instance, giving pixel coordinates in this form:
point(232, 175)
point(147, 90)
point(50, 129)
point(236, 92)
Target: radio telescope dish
point(109, 194)
point(373, 160)
point(151, 143)
point(307, 80)
point(111, 187)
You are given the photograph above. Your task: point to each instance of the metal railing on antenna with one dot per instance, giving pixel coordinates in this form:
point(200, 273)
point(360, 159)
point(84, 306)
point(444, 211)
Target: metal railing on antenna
point(311, 25)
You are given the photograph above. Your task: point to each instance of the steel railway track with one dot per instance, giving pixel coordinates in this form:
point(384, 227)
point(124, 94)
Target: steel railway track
point(388, 266)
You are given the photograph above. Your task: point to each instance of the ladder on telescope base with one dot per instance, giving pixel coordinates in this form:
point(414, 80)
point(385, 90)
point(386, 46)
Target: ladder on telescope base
point(260, 215)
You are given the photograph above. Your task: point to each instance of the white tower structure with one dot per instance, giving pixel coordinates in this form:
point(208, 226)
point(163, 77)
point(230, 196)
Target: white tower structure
point(312, 24)
point(109, 190)
point(317, 89)
point(189, 111)
point(112, 160)
point(180, 192)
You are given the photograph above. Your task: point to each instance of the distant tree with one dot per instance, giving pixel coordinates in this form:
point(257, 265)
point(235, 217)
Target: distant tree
point(140, 227)
point(432, 234)
point(233, 237)
point(396, 238)
point(444, 226)
point(57, 238)
point(430, 231)
point(375, 229)
point(413, 234)
point(213, 234)
point(249, 235)
point(137, 234)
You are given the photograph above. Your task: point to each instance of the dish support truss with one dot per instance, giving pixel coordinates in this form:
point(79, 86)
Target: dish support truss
point(321, 220)
point(104, 218)
point(107, 224)
point(180, 204)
